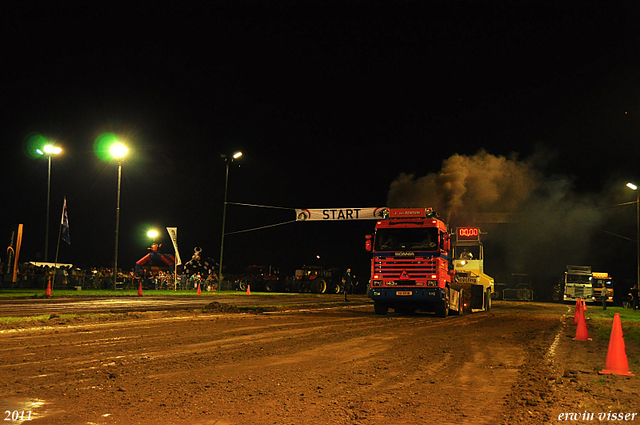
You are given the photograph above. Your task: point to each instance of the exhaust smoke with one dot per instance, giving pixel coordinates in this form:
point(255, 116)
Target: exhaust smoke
point(549, 225)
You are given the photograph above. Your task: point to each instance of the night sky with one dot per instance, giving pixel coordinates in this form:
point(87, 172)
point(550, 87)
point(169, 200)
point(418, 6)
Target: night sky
point(330, 101)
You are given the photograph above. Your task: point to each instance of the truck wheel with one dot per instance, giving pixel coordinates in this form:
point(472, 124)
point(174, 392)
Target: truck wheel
point(487, 301)
point(245, 281)
point(380, 308)
point(271, 286)
point(442, 309)
point(319, 286)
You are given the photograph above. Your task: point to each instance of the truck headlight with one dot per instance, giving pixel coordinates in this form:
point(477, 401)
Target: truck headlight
point(432, 283)
point(376, 283)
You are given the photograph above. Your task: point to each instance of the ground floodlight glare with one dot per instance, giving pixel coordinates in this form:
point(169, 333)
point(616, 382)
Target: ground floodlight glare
point(237, 155)
point(152, 234)
point(632, 186)
point(118, 150)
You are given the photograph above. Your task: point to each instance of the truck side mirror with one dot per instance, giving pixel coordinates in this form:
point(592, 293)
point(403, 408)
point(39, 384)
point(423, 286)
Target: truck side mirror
point(446, 243)
point(367, 242)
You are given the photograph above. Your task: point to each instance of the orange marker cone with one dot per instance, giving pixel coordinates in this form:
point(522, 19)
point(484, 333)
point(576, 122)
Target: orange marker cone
point(248, 289)
point(48, 291)
point(576, 315)
point(584, 305)
point(199, 291)
point(581, 332)
point(140, 289)
point(616, 355)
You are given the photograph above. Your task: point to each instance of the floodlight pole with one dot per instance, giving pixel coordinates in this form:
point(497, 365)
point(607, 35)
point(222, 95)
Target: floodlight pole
point(632, 186)
point(115, 261)
point(638, 235)
point(236, 155)
point(224, 218)
point(46, 235)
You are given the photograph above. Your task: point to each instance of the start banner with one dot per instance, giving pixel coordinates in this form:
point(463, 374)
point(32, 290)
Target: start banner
point(332, 214)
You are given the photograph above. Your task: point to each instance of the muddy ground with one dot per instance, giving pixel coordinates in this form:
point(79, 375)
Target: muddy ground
point(334, 363)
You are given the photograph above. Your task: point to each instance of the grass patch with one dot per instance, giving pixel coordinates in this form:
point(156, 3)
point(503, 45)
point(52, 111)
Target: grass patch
point(602, 321)
point(15, 319)
point(35, 293)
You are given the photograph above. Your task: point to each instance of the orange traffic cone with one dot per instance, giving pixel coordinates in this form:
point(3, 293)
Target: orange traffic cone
point(616, 355)
point(584, 305)
point(581, 332)
point(140, 289)
point(48, 291)
point(248, 289)
point(576, 315)
point(199, 291)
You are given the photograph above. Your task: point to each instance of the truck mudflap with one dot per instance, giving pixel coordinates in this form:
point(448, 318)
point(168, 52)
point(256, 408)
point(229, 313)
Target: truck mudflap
point(476, 298)
point(455, 300)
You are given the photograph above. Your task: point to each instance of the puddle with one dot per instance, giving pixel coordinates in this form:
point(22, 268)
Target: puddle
point(17, 411)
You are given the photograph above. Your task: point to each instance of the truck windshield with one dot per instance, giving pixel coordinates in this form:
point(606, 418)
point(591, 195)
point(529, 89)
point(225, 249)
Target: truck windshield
point(599, 283)
point(578, 278)
point(406, 239)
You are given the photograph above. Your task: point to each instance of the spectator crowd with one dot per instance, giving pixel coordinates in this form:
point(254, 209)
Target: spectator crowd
point(32, 276)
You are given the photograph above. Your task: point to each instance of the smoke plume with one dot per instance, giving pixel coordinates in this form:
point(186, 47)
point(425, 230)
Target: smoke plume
point(545, 224)
point(466, 185)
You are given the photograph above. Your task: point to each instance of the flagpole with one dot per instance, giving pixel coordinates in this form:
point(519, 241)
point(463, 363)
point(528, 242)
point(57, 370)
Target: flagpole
point(58, 246)
point(55, 265)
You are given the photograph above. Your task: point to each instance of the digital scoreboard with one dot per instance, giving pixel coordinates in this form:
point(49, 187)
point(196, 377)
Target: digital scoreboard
point(467, 234)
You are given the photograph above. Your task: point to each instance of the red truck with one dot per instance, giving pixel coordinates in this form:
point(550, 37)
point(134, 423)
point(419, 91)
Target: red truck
point(412, 267)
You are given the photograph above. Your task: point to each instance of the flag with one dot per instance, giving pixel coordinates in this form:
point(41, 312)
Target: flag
point(173, 233)
point(65, 224)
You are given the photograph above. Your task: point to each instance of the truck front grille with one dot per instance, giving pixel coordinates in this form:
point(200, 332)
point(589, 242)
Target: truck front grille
point(392, 268)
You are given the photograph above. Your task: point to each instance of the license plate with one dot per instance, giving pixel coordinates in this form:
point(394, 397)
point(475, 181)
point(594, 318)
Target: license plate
point(404, 293)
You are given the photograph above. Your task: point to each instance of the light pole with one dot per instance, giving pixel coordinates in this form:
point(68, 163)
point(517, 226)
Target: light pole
point(48, 150)
point(236, 155)
point(117, 151)
point(634, 187)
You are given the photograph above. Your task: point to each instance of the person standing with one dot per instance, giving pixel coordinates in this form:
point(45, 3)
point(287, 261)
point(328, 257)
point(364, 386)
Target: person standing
point(346, 280)
point(634, 297)
point(605, 295)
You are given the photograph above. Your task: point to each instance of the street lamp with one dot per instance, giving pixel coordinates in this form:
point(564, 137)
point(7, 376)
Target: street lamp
point(118, 151)
point(634, 187)
point(48, 150)
point(236, 155)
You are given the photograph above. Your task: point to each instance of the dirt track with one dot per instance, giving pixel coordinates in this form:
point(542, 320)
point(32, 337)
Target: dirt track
point(340, 365)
